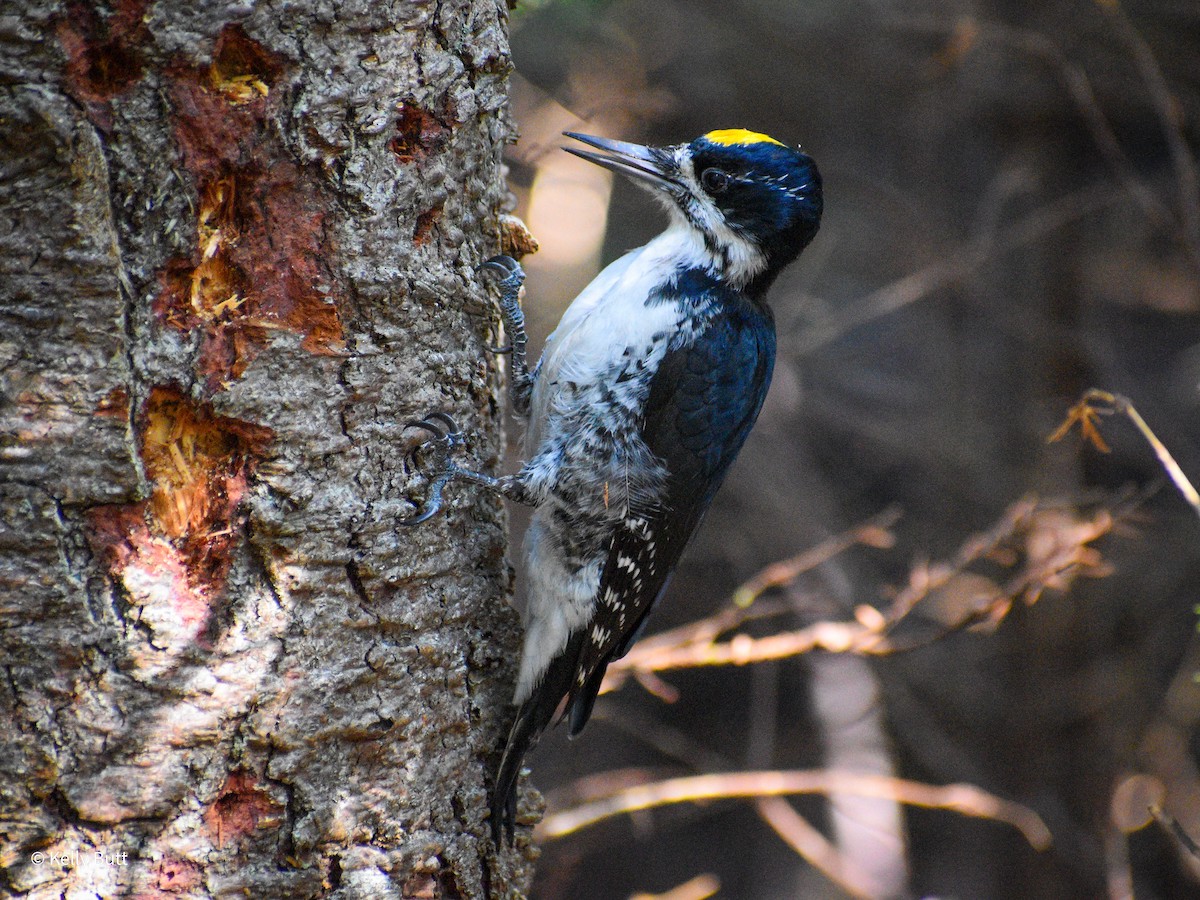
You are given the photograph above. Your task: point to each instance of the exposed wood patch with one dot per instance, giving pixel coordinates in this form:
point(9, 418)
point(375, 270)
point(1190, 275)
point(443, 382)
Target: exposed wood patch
point(418, 133)
point(259, 261)
point(242, 807)
point(425, 224)
point(103, 58)
point(172, 553)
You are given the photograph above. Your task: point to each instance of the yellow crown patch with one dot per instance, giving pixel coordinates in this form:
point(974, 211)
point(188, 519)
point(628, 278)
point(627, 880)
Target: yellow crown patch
point(739, 136)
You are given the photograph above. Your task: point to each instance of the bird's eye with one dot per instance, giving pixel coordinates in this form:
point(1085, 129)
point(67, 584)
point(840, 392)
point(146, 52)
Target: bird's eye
point(714, 180)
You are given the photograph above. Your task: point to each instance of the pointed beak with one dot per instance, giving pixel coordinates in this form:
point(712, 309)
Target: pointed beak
point(649, 165)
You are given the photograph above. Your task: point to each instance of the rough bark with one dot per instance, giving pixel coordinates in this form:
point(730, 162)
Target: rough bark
point(238, 242)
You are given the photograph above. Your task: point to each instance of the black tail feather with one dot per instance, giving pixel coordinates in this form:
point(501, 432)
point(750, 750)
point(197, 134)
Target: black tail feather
point(532, 718)
point(521, 737)
point(585, 699)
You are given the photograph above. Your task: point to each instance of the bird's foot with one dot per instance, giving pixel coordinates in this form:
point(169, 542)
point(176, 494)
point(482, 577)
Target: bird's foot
point(507, 273)
point(446, 439)
point(509, 277)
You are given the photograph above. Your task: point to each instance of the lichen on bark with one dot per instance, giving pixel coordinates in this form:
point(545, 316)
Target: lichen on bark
point(240, 243)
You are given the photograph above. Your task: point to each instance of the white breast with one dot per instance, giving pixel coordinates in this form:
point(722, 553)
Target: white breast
point(609, 316)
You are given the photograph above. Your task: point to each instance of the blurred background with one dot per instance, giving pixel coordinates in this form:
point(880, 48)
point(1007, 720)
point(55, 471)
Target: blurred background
point(1012, 217)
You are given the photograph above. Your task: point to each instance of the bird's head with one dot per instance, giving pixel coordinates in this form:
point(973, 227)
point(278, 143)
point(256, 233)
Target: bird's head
point(756, 203)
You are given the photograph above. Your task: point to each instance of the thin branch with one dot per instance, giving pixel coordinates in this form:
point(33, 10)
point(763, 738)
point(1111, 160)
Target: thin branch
point(1078, 87)
point(872, 533)
point(1171, 826)
point(699, 888)
point(799, 834)
point(1167, 109)
point(747, 606)
point(1086, 414)
point(965, 799)
point(923, 580)
point(792, 828)
point(1056, 547)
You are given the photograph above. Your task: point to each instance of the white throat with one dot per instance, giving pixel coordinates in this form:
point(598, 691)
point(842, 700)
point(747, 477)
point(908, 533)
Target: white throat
point(723, 250)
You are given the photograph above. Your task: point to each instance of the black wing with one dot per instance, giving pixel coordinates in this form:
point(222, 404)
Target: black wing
point(703, 401)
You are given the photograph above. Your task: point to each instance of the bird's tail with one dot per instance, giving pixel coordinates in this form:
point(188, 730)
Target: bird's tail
point(533, 716)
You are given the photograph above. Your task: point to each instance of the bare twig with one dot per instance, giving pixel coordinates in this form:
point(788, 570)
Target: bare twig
point(1172, 827)
point(1167, 109)
point(1055, 545)
point(799, 834)
point(747, 607)
point(1078, 87)
point(795, 831)
point(1095, 403)
point(961, 798)
point(871, 533)
point(925, 579)
point(699, 888)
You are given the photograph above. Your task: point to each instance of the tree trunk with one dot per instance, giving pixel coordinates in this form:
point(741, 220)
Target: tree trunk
point(239, 243)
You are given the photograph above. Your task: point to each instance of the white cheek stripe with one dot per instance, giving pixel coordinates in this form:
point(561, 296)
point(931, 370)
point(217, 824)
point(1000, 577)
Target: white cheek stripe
point(741, 260)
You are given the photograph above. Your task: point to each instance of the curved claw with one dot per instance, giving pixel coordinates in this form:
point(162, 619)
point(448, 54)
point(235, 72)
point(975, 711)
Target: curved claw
point(507, 348)
point(444, 418)
point(505, 266)
point(446, 437)
point(429, 426)
point(437, 423)
point(507, 273)
point(424, 516)
point(433, 503)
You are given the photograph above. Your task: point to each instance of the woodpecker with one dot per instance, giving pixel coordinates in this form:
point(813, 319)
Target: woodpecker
point(642, 398)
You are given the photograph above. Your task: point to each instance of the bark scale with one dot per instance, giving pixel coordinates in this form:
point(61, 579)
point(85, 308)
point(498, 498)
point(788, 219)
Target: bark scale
point(239, 241)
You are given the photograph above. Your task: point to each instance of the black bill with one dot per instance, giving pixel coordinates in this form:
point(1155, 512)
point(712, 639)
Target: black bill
point(646, 164)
